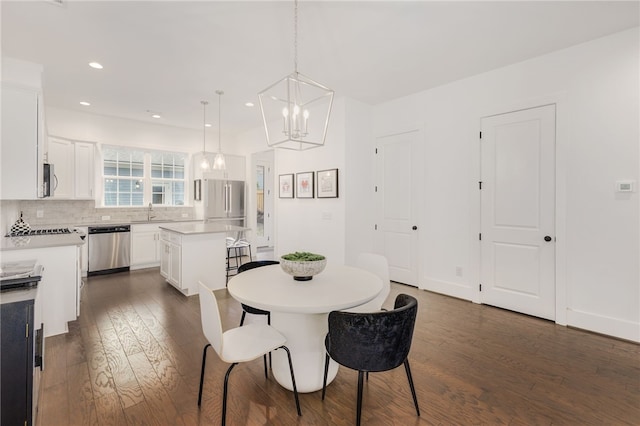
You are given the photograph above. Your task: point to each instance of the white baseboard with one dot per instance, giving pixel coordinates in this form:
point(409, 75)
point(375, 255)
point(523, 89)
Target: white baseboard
point(615, 327)
point(448, 288)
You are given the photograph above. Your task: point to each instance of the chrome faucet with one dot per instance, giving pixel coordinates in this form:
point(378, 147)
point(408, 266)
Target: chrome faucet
point(149, 210)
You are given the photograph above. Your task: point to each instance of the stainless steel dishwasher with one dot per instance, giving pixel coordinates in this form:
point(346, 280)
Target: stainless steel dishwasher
point(109, 249)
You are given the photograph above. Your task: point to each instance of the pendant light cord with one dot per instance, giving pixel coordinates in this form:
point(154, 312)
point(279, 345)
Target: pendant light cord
point(220, 93)
point(204, 124)
point(295, 36)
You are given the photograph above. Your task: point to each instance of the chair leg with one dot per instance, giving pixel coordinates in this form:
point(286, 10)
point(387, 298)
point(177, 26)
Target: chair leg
point(244, 313)
point(360, 386)
point(293, 379)
point(326, 372)
point(413, 389)
point(228, 265)
point(269, 323)
point(238, 257)
point(264, 357)
point(204, 359)
point(250, 255)
point(224, 394)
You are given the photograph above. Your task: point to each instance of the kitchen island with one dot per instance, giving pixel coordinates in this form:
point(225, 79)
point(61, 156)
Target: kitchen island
point(195, 251)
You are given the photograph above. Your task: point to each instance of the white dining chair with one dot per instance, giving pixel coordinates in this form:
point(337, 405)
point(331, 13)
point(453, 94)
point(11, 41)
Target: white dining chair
point(378, 265)
point(240, 344)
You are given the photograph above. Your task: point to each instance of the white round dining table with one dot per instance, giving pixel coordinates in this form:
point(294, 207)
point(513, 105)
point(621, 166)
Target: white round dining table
point(299, 310)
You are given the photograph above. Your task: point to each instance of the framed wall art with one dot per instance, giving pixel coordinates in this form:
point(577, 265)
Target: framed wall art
point(327, 183)
point(286, 186)
point(304, 185)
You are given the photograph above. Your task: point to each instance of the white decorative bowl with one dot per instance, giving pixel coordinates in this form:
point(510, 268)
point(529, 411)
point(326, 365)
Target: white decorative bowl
point(303, 270)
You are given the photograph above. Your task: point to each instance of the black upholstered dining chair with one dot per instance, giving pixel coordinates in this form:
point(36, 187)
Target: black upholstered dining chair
point(377, 341)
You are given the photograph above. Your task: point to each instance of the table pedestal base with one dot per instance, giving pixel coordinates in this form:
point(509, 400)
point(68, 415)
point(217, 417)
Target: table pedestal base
point(305, 335)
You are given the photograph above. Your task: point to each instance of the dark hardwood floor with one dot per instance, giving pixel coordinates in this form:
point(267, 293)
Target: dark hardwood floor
point(133, 358)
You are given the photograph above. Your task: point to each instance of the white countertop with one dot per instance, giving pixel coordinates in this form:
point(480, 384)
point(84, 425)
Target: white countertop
point(192, 228)
point(41, 241)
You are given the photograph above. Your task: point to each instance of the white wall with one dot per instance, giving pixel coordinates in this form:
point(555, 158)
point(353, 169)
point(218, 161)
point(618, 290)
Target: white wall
point(118, 131)
point(339, 227)
point(318, 224)
point(596, 88)
point(358, 179)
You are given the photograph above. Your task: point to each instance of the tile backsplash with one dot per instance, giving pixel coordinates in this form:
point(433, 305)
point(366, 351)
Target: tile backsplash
point(81, 212)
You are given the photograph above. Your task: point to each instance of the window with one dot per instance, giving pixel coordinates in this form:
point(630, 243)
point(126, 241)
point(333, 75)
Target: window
point(167, 179)
point(136, 178)
point(123, 177)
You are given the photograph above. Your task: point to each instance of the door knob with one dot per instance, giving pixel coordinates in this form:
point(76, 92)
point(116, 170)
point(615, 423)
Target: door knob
point(547, 238)
point(414, 227)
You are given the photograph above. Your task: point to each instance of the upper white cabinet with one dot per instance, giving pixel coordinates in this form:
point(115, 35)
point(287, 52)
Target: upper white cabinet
point(20, 175)
point(235, 168)
point(84, 169)
point(73, 166)
point(61, 155)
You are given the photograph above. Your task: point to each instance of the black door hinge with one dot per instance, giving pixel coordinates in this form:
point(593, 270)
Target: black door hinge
point(480, 135)
point(376, 150)
point(480, 287)
point(480, 236)
point(376, 227)
point(480, 184)
point(376, 188)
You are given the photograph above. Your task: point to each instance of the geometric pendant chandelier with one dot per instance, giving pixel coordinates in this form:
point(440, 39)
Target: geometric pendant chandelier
point(296, 109)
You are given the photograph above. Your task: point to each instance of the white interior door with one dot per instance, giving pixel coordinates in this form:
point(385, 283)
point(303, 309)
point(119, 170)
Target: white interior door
point(396, 235)
point(518, 210)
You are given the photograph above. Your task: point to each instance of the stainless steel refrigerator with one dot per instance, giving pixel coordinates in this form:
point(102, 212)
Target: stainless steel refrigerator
point(224, 201)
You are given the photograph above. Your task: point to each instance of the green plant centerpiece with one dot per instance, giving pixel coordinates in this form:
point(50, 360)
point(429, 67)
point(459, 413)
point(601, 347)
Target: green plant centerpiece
point(302, 265)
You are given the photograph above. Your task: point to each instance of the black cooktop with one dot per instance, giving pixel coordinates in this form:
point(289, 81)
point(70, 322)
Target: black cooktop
point(48, 231)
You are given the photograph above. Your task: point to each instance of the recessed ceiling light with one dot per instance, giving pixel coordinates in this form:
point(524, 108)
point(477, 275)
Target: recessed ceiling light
point(155, 116)
point(95, 65)
point(249, 104)
point(84, 103)
point(207, 125)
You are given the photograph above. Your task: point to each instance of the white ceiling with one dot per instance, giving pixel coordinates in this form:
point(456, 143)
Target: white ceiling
point(167, 56)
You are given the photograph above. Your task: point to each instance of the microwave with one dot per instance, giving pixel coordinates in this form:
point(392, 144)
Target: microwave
point(48, 180)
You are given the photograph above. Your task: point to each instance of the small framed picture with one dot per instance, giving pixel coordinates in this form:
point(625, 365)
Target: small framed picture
point(327, 183)
point(304, 185)
point(286, 186)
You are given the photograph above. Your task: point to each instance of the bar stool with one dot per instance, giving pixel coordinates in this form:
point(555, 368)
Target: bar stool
point(237, 246)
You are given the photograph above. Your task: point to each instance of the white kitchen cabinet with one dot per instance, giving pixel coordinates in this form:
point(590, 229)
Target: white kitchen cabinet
point(21, 151)
point(60, 154)
point(165, 258)
point(175, 271)
point(73, 166)
point(145, 245)
point(84, 165)
point(171, 262)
